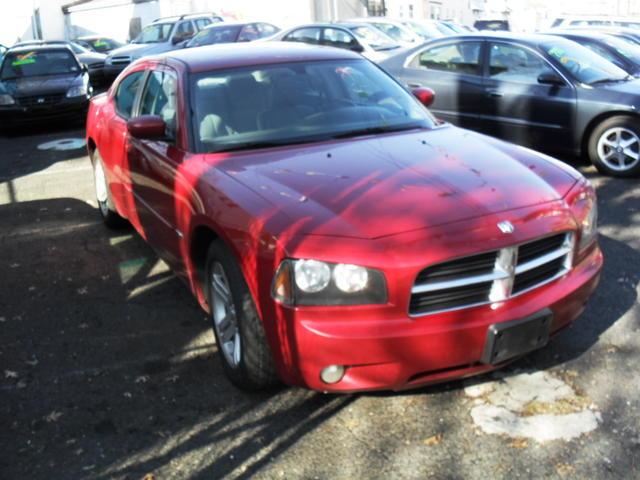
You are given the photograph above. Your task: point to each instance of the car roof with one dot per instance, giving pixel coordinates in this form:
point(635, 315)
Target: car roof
point(188, 16)
point(216, 57)
point(525, 38)
point(596, 35)
point(229, 24)
point(39, 47)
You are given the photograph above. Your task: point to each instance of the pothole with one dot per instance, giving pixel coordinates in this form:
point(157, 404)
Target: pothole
point(63, 144)
point(534, 405)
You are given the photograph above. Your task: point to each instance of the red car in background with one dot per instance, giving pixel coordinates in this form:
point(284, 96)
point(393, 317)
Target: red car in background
point(341, 238)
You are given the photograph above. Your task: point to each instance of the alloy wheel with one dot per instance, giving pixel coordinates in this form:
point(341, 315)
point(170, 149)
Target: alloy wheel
point(619, 148)
point(225, 320)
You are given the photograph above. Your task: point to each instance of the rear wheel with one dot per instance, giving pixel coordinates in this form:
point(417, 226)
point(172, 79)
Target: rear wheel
point(103, 195)
point(614, 147)
point(240, 337)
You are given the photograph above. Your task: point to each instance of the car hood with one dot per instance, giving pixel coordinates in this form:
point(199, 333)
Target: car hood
point(393, 183)
point(41, 85)
point(92, 57)
point(140, 49)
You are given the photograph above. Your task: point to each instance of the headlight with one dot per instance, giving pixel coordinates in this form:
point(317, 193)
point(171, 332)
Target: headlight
point(585, 209)
point(312, 282)
point(77, 91)
point(6, 99)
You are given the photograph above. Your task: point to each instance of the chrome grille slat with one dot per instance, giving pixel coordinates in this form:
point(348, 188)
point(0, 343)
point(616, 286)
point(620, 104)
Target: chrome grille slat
point(491, 276)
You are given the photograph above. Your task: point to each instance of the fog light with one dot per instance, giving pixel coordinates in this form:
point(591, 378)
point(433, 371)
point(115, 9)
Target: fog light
point(332, 374)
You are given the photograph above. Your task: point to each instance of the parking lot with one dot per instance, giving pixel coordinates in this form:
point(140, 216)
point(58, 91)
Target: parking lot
point(110, 370)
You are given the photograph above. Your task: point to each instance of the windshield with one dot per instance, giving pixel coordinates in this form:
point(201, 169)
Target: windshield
point(103, 45)
point(211, 36)
point(583, 64)
point(156, 33)
point(373, 37)
point(626, 49)
point(393, 31)
point(265, 106)
point(36, 63)
point(424, 30)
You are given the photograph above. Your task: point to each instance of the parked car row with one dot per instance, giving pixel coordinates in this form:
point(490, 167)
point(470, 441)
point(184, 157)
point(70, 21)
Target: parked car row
point(542, 91)
point(566, 91)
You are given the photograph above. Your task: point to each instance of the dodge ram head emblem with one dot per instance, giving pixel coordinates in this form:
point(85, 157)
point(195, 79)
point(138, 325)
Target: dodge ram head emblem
point(506, 226)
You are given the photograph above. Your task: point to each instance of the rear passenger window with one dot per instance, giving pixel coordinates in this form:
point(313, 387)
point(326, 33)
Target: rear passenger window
point(461, 57)
point(126, 94)
point(338, 38)
point(266, 30)
point(202, 22)
point(160, 98)
point(249, 33)
point(305, 35)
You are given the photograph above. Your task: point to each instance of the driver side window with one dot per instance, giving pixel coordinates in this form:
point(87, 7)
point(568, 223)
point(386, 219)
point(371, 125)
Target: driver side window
point(515, 64)
point(126, 94)
point(160, 98)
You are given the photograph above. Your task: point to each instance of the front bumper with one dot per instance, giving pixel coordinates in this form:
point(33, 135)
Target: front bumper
point(410, 352)
point(382, 346)
point(68, 108)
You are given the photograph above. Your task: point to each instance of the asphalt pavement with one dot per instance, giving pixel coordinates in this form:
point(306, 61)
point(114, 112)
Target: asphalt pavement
point(109, 370)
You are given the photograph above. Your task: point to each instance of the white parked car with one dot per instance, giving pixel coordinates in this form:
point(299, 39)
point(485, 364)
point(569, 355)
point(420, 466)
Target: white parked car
point(357, 37)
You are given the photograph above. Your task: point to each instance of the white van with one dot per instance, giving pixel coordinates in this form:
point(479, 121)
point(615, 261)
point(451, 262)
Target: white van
point(596, 21)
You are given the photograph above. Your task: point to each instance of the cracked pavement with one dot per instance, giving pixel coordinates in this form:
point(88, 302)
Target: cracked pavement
point(109, 369)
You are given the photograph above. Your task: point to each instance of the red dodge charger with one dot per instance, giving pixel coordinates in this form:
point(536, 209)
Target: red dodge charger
point(340, 237)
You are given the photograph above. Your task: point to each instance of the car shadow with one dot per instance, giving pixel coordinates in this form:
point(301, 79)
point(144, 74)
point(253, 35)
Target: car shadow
point(113, 370)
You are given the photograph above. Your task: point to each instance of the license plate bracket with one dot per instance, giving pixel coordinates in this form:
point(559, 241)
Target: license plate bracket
point(517, 337)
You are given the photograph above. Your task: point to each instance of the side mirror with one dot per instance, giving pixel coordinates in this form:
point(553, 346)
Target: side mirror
point(550, 78)
point(426, 96)
point(176, 39)
point(147, 127)
point(356, 47)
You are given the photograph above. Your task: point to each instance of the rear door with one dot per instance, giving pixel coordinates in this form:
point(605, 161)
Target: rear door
point(518, 107)
point(453, 70)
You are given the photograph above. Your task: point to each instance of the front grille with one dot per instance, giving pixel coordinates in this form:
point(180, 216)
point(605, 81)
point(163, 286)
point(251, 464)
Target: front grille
point(120, 60)
point(491, 276)
point(40, 100)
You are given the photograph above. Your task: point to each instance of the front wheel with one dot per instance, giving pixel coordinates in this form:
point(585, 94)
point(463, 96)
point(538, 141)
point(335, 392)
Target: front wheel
point(614, 147)
point(240, 336)
point(103, 195)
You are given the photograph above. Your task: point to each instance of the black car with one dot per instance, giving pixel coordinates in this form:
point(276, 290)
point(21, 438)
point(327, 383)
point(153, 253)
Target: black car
point(232, 33)
point(622, 53)
point(537, 90)
point(492, 25)
point(92, 60)
point(98, 44)
point(42, 82)
point(630, 34)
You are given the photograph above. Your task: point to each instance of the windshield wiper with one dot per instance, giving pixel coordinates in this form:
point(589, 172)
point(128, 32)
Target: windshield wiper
point(258, 145)
point(611, 80)
point(374, 130)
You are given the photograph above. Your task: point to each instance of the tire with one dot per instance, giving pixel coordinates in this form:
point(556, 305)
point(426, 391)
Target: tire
point(614, 147)
point(107, 210)
point(240, 336)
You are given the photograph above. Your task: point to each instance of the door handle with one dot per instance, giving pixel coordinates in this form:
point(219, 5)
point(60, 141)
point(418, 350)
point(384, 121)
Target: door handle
point(494, 93)
point(414, 85)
